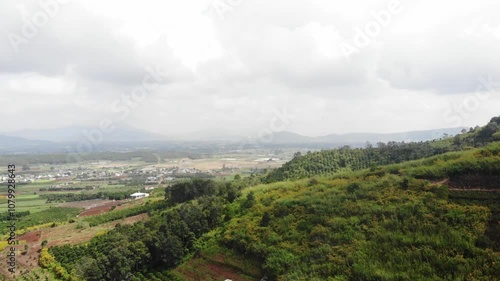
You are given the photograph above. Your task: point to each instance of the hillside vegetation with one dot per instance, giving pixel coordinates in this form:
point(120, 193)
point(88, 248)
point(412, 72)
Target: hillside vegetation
point(348, 159)
point(387, 223)
point(429, 219)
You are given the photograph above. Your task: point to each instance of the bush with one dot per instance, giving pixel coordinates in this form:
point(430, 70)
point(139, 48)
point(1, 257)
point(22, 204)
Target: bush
point(82, 225)
point(484, 242)
point(353, 187)
point(45, 258)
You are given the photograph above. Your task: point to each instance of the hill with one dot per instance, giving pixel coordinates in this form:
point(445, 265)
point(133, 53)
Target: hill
point(397, 222)
point(346, 158)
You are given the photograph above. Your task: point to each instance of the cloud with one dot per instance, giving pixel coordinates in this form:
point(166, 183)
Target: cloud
point(231, 73)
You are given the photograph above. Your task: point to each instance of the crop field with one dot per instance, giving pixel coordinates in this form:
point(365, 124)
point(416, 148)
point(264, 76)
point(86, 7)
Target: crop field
point(27, 202)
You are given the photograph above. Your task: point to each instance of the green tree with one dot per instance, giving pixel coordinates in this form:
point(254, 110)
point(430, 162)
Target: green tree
point(249, 201)
point(266, 219)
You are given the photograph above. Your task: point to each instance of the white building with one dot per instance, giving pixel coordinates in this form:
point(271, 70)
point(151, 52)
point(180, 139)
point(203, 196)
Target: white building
point(139, 195)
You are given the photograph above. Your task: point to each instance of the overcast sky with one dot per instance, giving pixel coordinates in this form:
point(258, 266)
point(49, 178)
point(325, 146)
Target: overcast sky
point(238, 65)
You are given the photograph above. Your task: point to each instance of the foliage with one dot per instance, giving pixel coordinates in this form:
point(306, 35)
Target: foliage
point(71, 197)
point(387, 223)
point(51, 215)
point(195, 188)
point(163, 241)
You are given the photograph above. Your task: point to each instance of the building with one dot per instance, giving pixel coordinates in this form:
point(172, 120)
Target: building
point(139, 195)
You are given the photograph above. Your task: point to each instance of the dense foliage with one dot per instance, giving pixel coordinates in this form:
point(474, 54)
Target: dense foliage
point(195, 188)
point(163, 241)
point(382, 224)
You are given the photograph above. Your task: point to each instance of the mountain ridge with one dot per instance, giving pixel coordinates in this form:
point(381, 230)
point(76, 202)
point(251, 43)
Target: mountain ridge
point(128, 134)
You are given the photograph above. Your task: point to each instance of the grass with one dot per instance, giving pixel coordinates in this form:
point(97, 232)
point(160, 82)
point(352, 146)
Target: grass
point(48, 216)
point(27, 202)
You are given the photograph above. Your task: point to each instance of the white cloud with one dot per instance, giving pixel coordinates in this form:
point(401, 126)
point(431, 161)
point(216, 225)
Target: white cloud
point(230, 74)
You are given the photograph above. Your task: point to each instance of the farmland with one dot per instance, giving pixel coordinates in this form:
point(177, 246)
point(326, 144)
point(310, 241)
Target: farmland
point(60, 204)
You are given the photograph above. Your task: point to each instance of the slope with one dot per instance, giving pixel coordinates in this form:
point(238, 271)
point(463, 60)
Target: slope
point(346, 158)
point(387, 223)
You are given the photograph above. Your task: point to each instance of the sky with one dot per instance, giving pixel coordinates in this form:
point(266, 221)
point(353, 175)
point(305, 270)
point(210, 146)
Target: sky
point(313, 67)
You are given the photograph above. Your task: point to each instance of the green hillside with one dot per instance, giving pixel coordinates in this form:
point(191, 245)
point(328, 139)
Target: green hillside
point(348, 159)
point(388, 223)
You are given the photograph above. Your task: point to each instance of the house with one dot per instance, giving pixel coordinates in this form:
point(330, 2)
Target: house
point(152, 180)
point(139, 195)
point(149, 187)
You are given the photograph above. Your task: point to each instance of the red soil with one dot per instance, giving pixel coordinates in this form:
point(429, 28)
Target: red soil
point(99, 209)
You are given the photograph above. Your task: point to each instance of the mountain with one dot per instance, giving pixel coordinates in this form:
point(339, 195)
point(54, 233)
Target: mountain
point(123, 133)
point(75, 133)
point(411, 136)
point(361, 138)
point(9, 144)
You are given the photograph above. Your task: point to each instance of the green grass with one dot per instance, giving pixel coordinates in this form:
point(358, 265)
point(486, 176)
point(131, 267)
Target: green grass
point(50, 215)
point(27, 202)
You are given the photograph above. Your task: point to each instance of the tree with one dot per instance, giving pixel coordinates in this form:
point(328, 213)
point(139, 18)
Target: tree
point(405, 184)
point(266, 219)
point(45, 258)
point(250, 200)
point(368, 145)
point(87, 268)
point(351, 188)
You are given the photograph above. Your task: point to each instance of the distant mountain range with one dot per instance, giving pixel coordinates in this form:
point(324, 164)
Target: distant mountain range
point(9, 144)
point(54, 140)
point(412, 136)
point(72, 134)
